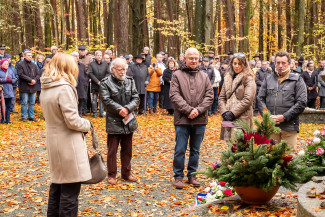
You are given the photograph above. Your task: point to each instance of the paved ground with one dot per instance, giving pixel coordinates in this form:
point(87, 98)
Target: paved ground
point(24, 173)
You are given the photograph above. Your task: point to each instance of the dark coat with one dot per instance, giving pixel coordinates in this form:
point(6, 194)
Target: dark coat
point(14, 85)
point(97, 71)
point(82, 86)
point(140, 74)
point(190, 89)
point(321, 85)
point(147, 60)
point(260, 76)
point(311, 81)
point(116, 94)
point(210, 71)
point(288, 99)
point(49, 56)
point(40, 69)
point(27, 71)
point(167, 77)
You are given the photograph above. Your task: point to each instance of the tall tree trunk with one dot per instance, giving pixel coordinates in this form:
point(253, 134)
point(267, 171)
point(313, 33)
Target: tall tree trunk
point(189, 21)
point(242, 15)
point(82, 25)
point(54, 23)
point(171, 38)
point(67, 22)
point(301, 26)
point(105, 20)
point(230, 23)
point(218, 10)
point(248, 14)
point(280, 24)
point(28, 17)
point(208, 21)
point(295, 27)
point(199, 21)
point(17, 28)
point(143, 7)
point(62, 30)
point(39, 28)
point(261, 28)
point(160, 26)
point(110, 27)
point(288, 25)
point(86, 18)
point(73, 18)
point(115, 21)
point(123, 28)
point(156, 31)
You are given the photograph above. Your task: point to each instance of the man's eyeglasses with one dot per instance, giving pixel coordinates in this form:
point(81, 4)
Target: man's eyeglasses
point(120, 70)
point(193, 58)
point(239, 55)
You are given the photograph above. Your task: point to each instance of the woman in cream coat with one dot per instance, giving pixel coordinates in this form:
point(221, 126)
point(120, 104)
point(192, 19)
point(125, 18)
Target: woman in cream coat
point(66, 146)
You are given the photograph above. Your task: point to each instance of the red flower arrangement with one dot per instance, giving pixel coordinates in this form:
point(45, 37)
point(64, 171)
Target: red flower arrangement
point(259, 139)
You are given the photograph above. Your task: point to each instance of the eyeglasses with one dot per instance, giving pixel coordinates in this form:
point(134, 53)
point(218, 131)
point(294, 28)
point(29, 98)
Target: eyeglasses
point(193, 58)
point(120, 70)
point(239, 55)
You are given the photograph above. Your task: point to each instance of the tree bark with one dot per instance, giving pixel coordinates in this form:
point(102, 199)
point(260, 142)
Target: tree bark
point(288, 26)
point(105, 20)
point(208, 21)
point(17, 29)
point(54, 23)
point(261, 28)
point(27, 12)
point(301, 26)
point(39, 28)
point(280, 24)
point(67, 23)
point(82, 27)
point(160, 26)
point(123, 28)
point(248, 14)
point(189, 22)
point(242, 16)
point(171, 38)
point(230, 23)
point(110, 27)
point(199, 21)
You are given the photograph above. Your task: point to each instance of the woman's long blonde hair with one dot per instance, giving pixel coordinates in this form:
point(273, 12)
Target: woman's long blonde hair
point(62, 66)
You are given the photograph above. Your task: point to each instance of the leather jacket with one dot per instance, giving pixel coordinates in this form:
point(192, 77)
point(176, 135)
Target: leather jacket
point(116, 94)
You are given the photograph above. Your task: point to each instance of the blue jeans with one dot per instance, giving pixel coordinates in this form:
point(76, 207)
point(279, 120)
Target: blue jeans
point(94, 104)
point(152, 99)
point(183, 133)
point(215, 101)
point(30, 99)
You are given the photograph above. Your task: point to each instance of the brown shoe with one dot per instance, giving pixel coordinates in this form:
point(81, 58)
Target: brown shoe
point(179, 183)
point(192, 180)
point(130, 179)
point(151, 111)
point(111, 181)
point(154, 110)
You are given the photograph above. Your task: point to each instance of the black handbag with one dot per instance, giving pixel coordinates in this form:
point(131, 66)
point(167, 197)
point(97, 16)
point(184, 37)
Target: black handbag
point(97, 164)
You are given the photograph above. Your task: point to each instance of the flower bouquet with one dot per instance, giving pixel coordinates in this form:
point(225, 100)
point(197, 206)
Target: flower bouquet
point(314, 150)
point(254, 160)
point(214, 192)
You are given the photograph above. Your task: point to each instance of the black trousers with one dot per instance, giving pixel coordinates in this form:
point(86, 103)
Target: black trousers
point(161, 97)
point(63, 200)
point(141, 105)
point(311, 103)
point(322, 102)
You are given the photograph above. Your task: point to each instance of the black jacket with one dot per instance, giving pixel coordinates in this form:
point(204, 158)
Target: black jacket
point(27, 71)
point(210, 71)
point(82, 86)
point(147, 60)
point(140, 74)
point(97, 71)
point(311, 81)
point(260, 76)
point(288, 99)
point(167, 77)
point(116, 94)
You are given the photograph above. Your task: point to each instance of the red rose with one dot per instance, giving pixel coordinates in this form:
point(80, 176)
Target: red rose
point(223, 183)
point(228, 192)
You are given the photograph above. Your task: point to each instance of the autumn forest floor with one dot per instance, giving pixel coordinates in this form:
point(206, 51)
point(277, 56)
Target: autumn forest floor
point(24, 172)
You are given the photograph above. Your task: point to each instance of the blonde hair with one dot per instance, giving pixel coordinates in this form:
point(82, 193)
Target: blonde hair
point(38, 56)
point(62, 66)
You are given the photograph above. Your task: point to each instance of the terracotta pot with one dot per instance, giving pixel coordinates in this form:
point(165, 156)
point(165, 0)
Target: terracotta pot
point(252, 195)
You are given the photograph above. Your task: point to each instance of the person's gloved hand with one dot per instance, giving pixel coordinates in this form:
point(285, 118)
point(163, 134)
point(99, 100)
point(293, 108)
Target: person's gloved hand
point(146, 83)
point(228, 116)
point(9, 80)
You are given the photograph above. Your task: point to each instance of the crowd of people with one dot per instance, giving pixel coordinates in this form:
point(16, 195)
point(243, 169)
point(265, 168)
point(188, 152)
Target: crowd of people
point(191, 88)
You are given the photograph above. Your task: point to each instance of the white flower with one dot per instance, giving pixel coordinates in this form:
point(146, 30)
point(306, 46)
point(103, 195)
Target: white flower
point(210, 197)
point(301, 153)
point(316, 141)
point(213, 184)
point(219, 193)
point(316, 133)
point(207, 189)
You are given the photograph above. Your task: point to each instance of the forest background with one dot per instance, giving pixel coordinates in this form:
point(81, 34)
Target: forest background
point(126, 26)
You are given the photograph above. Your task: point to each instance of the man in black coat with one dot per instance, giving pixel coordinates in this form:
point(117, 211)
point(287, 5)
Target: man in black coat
point(140, 74)
point(82, 86)
point(205, 67)
point(311, 80)
point(28, 77)
point(261, 74)
point(98, 70)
